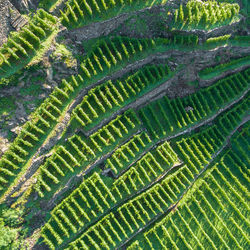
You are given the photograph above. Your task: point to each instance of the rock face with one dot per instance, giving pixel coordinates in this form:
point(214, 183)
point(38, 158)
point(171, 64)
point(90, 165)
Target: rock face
point(3, 145)
point(5, 20)
point(24, 5)
point(11, 19)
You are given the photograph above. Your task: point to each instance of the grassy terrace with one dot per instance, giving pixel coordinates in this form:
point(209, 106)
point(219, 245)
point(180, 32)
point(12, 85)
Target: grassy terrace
point(211, 72)
point(142, 142)
point(78, 13)
point(24, 46)
point(204, 212)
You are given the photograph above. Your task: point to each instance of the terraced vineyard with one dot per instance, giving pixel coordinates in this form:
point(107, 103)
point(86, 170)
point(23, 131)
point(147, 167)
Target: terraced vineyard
point(141, 140)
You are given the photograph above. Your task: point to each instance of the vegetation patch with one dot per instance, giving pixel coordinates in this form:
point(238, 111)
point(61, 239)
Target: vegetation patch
point(134, 137)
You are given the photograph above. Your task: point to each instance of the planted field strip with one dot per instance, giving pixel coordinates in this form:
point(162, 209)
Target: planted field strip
point(51, 110)
point(110, 96)
point(198, 150)
point(145, 171)
point(79, 152)
point(240, 145)
point(183, 40)
point(126, 220)
point(35, 131)
point(128, 153)
point(21, 46)
point(214, 216)
point(77, 210)
point(133, 214)
point(83, 12)
point(211, 72)
point(111, 54)
point(165, 117)
point(83, 199)
point(204, 15)
point(213, 42)
point(238, 161)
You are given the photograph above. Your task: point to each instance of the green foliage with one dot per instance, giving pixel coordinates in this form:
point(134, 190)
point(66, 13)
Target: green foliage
point(21, 46)
point(217, 40)
point(10, 221)
point(7, 105)
point(127, 153)
point(183, 40)
point(110, 193)
point(194, 83)
point(33, 90)
point(204, 15)
point(207, 204)
point(119, 51)
point(47, 4)
point(110, 96)
point(240, 40)
point(78, 152)
point(82, 12)
point(7, 236)
point(135, 184)
point(111, 53)
point(165, 117)
point(127, 218)
point(65, 54)
point(210, 72)
point(12, 217)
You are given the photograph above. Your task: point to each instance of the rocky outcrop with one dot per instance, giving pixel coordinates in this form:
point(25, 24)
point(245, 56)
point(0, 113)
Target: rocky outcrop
point(25, 5)
point(5, 20)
